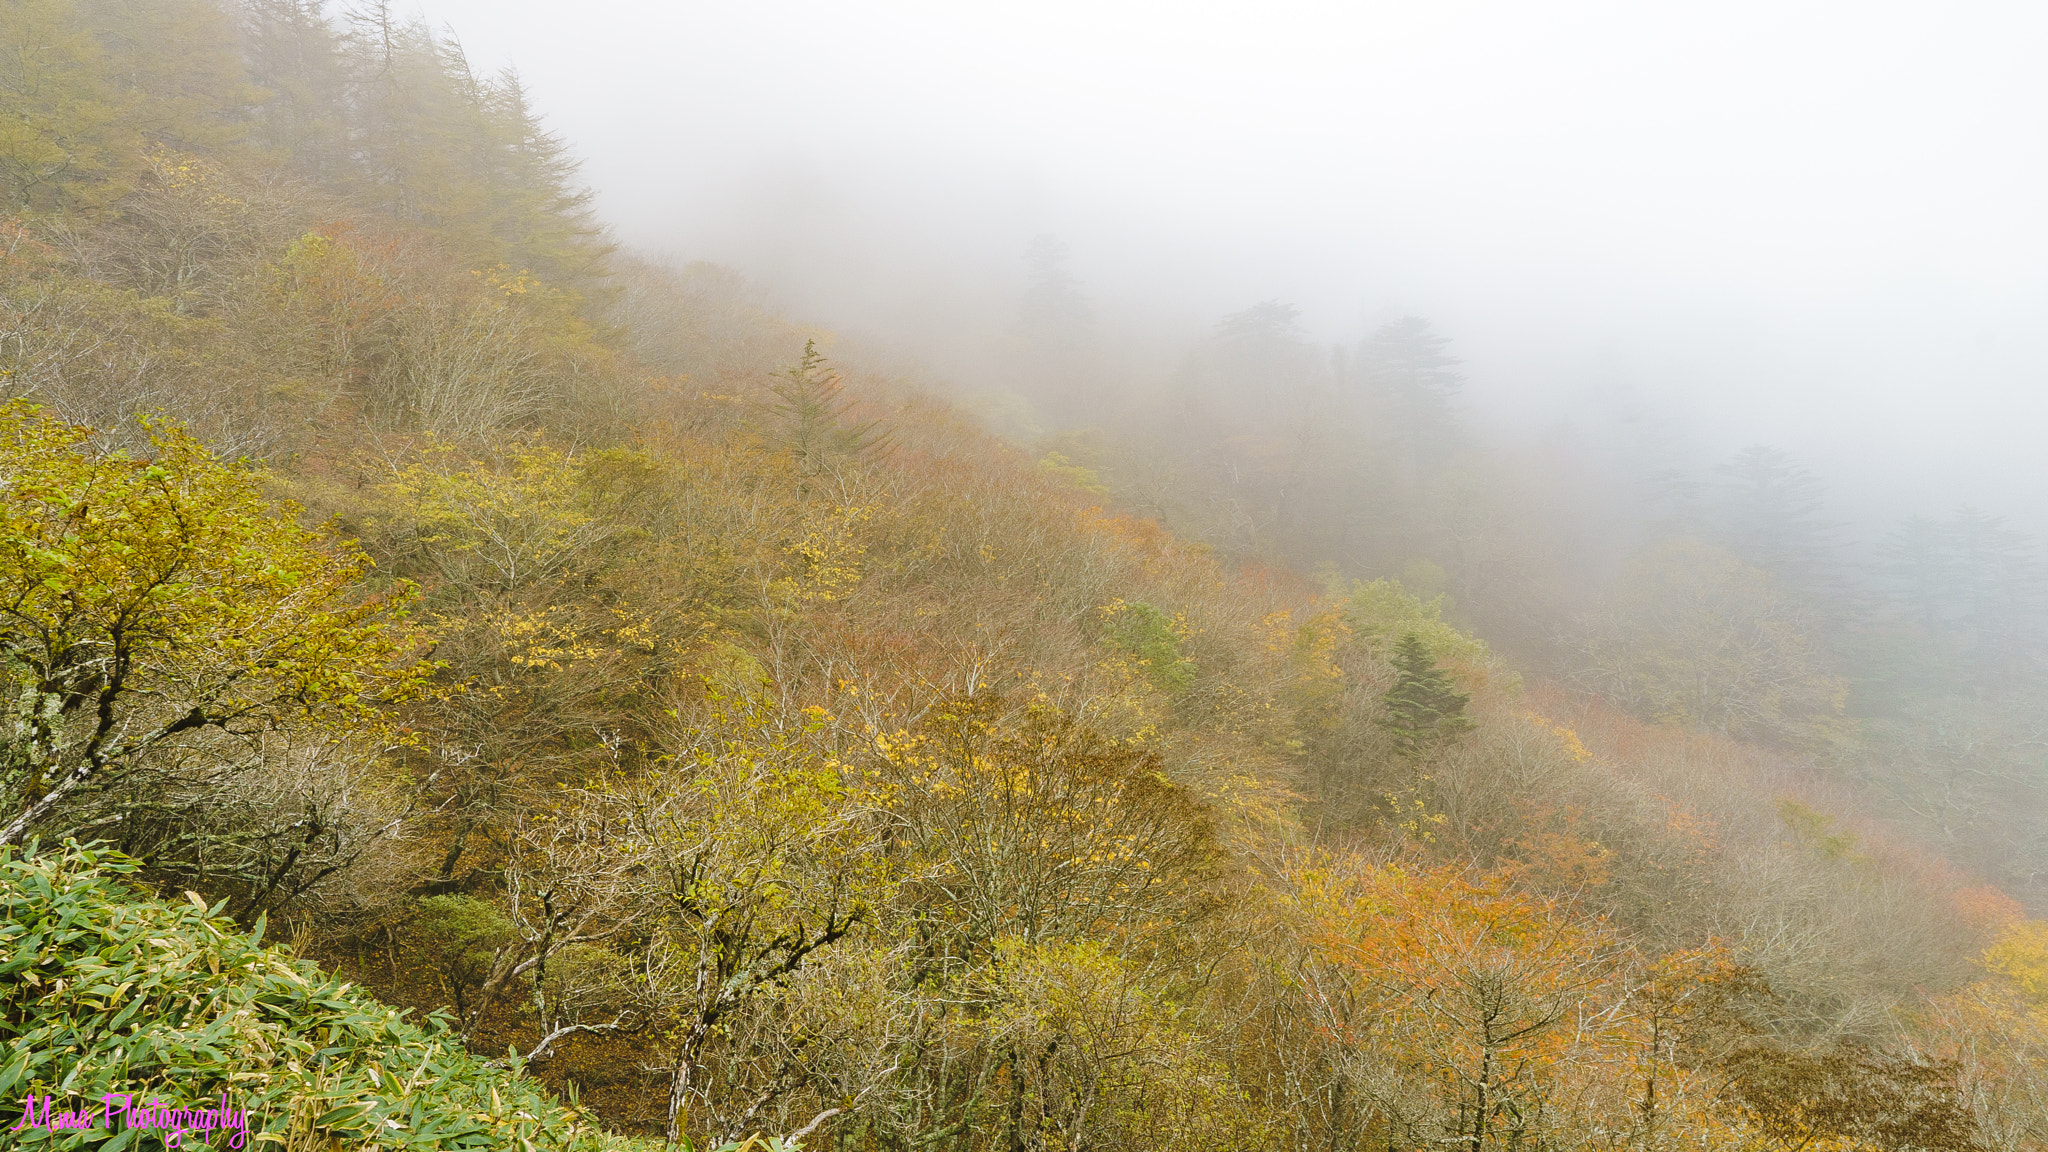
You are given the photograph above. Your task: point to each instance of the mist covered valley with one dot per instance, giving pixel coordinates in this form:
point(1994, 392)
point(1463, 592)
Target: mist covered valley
point(901, 576)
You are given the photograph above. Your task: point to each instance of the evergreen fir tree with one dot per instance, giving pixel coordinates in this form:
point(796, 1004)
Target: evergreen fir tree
point(1413, 380)
point(294, 57)
point(537, 208)
point(1773, 516)
point(1262, 354)
point(817, 423)
point(1055, 335)
point(1423, 709)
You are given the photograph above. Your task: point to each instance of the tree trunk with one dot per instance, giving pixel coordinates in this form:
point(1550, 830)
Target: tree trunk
point(686, 1064)
point(678, 1091)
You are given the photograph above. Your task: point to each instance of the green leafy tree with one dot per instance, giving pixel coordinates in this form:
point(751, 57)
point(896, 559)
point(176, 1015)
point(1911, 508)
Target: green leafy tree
point(760, 856)
point(461, 938)
point(1148, 634)
point(1053, 878)
point(1424, 710)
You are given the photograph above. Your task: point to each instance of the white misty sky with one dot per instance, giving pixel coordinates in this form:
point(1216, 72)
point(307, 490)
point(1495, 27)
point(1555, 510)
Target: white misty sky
point(1820, 224)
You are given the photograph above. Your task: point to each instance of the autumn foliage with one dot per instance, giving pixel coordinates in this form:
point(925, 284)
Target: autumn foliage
point(754, 744)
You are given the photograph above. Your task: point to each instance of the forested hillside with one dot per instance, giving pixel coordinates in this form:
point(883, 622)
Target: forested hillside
point(753, 743)
point(1908, 660)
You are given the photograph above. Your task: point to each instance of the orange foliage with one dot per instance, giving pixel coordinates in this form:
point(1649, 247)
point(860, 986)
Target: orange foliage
point(1986, 909)
point(1141, 536)
point(1563, 860)
point(1475, 985)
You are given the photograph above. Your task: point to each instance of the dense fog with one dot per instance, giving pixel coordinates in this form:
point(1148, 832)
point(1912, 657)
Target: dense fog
point(1687, 355)
point(1811, 225)
point(992, 578)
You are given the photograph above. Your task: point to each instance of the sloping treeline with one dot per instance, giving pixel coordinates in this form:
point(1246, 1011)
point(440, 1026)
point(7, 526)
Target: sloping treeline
point(754, 745)
point(1912, 665)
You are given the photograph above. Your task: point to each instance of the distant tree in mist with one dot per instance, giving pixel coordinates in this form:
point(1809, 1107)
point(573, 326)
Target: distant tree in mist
point(1970, 582)
point(1323, 458)
point(1250, 398)
point(1054, 312)
point(464, 154)
point(1411, 380)
point(292, 53)
point(1771, 513)
point(1263, 348)
point(1055, 332)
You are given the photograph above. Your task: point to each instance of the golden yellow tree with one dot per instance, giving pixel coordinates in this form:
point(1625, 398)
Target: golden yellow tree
point(147, 602)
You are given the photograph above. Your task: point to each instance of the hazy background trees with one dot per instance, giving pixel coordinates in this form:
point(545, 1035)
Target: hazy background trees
point(792, 753)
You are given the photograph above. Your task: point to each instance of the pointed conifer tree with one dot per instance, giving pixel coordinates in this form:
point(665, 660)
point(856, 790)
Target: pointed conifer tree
point(818, 425)
point(1424, 710)
point(1413, 381)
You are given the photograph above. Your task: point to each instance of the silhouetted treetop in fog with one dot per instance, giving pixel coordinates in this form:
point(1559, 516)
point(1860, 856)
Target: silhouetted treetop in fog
point(1771, 515)
point(1969, 581)
point(1055, 332)
point(1411, 380)
point(1263, 347)
point(1054, 312)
